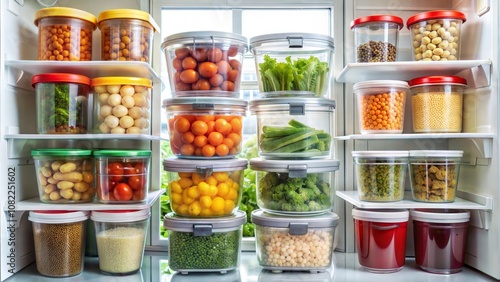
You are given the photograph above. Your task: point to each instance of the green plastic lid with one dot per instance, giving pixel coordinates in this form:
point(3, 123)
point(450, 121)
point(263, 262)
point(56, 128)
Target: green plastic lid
point(60, 152)
point(122, 153)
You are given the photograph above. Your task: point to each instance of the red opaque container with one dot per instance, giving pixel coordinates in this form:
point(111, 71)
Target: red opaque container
point(381, 238)
point(439, 237)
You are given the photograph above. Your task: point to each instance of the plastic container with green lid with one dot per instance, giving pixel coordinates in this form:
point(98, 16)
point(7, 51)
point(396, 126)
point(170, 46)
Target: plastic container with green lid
point(126, 35)
point(204, 188)
point(55, 25)
point(205, 127)
point(122, 105)
point(307, 59)
point(59, 239)
point(64, 175)
point(294, 127)
point(295, 187)
point(285, 243)
point(122, 175)
point(204, 245)
point(205, 63)
point(62, 103)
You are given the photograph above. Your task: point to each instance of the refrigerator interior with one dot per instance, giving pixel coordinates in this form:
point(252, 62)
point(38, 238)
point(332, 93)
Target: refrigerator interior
point(479, 176)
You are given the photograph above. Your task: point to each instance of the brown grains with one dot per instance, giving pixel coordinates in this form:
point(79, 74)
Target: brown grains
point(376, 51)
point(437, 112)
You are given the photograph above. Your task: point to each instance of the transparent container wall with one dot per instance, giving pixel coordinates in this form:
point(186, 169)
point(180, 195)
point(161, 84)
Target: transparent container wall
point(376, 42)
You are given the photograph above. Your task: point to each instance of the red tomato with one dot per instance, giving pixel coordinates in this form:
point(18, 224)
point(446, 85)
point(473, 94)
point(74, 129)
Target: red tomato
point(128, 169)
point(122, 192)
point(136, 182)
point(115, 171)
point(139, 195)
point(140, 168)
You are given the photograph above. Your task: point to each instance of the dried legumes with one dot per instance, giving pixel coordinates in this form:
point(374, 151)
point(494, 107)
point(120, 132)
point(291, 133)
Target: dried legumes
point(383, 111)
point(376, 51)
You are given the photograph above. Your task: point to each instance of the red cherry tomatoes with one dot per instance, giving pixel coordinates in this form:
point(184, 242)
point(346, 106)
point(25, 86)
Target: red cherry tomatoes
point(136, 182)
point(115, 171)
point(123, 192)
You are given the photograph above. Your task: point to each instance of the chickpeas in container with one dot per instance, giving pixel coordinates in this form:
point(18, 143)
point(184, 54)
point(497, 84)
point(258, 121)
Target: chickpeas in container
point(376, 38)
point(122, 105)
point(126, 35)
point(285, 243)
point(64, 34)
point(435, 35)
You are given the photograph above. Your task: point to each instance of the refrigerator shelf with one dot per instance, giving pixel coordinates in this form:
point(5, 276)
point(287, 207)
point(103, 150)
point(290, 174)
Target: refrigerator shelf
point(477, 72)
point(80, 137)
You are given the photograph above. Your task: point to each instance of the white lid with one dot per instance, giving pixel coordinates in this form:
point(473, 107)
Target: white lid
point(440, 215)
point(120, 215)
point(377, 83)
point(381, 215)
point(380, 154)
point(436, 153)
point(202, 166)
point(287, 166)
point(58, 216)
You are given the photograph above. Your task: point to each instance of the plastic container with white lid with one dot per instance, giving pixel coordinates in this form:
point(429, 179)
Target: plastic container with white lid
point(305, 127)
point(204, 245)
point(295, 187)
point(278, 239)
point(126, 35)
point(205, 63)
point(380, 175)
point(440, 237)
point(376, 38)
point(61, 46)
point(434, 174)
point(59, 239)
point(205, 127)
point(213, 187)
point(120, 238)
point(314, 52)
point(381, 105)
point(437, 103)
point(435, 35)
point(381, 238)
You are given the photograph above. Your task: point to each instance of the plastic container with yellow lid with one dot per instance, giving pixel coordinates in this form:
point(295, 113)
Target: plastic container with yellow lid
point(122, 105)
point(126, 35)
point(64, 34)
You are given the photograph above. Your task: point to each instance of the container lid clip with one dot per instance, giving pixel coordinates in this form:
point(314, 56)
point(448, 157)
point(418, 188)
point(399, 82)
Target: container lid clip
point(295, 42)
point(297, 109)
point(298, 229)
point(297, 171)
point(204, 230)
point(204, 171)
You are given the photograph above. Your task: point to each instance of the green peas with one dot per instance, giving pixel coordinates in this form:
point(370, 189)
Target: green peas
point(381, 181)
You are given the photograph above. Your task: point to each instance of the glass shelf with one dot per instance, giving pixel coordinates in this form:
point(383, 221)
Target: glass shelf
point(81, 137)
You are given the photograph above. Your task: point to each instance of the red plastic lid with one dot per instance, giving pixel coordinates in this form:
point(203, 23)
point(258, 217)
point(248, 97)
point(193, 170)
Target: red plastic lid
point(378, 18)
point(426, 80)
point(59, 77)
point(438, 14)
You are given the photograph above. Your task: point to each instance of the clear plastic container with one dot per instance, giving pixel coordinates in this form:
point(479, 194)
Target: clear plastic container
point(122, 175)
point(64, 175)
point(434, 174)
point(205, 127)
point(204, 188)
point(437, 104)
point(122, 105)
point(440, 237)
point(381, 238)
point(64, 34)
point(294, 243)
point(380, 175)
point(205, 63)
point(62, 103)
point(435, 35)
point(381, 105)
point(126, 35)
point(295, 187)
point(313, 52)
point(376, 38)
point(121, 238)
point(204, 245)
point(59, 238)
point(294, 127)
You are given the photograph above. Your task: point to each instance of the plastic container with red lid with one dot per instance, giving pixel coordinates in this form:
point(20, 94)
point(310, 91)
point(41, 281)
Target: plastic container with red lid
point(435, 35)
point(437, 103)
point(376, 38)
point(439, 237)
point(381, 238)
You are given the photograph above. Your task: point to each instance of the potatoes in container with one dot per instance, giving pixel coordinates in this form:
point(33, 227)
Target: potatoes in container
point(122, 105)
point(64, 175)
point(294, 127)
point(285, 243)
point(205, 63)
point(204, 188)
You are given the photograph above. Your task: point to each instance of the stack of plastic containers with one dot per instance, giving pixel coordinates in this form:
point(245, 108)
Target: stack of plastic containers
point(295, 171)
point(205, 124)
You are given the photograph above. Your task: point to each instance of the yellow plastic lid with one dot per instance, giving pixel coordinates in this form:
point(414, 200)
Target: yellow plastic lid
point(65, 12)
point(128, 14)
point(114, 80)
